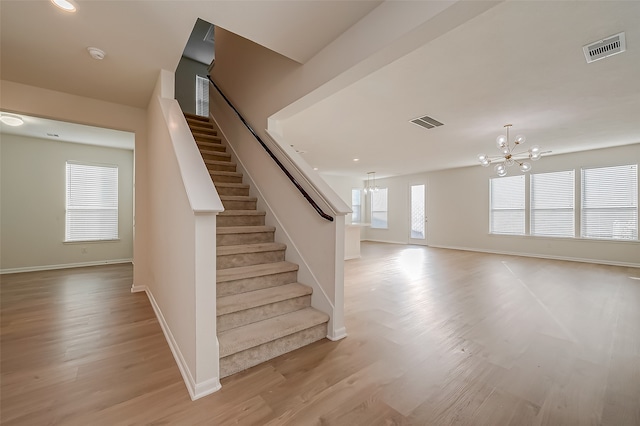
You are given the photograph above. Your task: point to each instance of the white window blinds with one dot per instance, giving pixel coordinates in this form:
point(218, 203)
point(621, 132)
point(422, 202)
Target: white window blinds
point(91, 202)
point(610, 203)
point(202, 96)
point(379, 209)
point(552, 204)
point(507, 205)
point(356, 205)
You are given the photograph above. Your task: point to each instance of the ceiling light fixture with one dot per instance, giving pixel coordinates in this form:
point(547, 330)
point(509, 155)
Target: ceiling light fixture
point(96, 53)
point(509, 157)
point(371, 184)
point(11, 120)
point(65, 5)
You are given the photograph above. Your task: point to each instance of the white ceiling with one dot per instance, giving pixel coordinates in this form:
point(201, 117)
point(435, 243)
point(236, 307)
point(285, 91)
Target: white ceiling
point(43, 128)
point(520, 63)
point(45, 47)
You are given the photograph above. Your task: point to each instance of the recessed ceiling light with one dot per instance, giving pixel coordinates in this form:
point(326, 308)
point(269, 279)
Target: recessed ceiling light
point(65, 5)
point(11, 120)
point(356, 159)
point(315, 168)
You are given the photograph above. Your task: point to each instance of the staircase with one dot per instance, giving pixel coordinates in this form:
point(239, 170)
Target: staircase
point(262, 311)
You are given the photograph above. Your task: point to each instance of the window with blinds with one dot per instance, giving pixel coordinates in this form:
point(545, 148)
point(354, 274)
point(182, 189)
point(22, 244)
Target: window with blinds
point(507, 205)
point(356, 205)
point(379, 207)
point(91, 202)
point(202, 96)
point(552, 204)
point(610, 203)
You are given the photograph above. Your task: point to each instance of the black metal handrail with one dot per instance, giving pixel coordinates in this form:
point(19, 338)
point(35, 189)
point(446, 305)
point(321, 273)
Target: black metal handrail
point(271, 154)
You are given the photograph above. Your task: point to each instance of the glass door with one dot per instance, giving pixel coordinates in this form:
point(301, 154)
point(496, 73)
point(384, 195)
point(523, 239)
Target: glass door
point(418, 217)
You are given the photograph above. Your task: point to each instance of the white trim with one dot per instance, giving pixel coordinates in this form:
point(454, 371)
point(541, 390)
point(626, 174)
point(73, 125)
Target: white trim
point(338, 334)
point(543, 256)
point(196, 390)
point(63, 266)
point(374, 240)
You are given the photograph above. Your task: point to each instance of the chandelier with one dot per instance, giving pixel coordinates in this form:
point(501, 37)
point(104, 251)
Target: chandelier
point(371, 184)
point(509, 156)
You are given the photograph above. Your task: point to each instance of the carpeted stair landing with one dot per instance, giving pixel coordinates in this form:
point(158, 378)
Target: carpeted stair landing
point(262, 311)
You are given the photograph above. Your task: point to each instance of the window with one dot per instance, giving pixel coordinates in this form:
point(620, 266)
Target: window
point(610, 203)
point(507, 205)
point(379, 209)
point(202, 96)
point(91, 202)
point(417, 212)
point(356, 206)
point(552, 204)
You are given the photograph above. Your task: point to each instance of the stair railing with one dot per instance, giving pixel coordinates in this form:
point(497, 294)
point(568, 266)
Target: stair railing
point(273, 157)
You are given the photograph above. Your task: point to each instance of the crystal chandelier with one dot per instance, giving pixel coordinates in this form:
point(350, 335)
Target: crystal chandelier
point(371, 184)
point(509, 156)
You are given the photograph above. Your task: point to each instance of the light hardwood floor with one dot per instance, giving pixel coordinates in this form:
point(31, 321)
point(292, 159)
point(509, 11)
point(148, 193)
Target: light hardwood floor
point(436, 337)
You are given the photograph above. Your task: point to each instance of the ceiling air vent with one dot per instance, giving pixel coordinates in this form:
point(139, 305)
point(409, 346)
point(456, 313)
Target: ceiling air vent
point(604, 48)
point(426, 122)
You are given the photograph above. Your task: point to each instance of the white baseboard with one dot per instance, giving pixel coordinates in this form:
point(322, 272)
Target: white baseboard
point(63, 266)
point(339, 334)
point(542, 256)
point(196, 390)
point(385, 241)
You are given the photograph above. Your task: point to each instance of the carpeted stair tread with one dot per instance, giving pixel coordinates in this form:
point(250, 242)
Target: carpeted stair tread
point(251, 335)
point(242, 213)
point(232, 185)
point(250, 248)
point(193, 116)
point(209, 145)
point(243, 301)
point(223, 173)
point(237, 197)
point(211, 136)
point(243, 229)
point(217, 162)
point(242, 272)
point(216, 153)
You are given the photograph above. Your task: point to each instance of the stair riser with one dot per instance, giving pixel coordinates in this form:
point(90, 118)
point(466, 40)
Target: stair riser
point(240, 220)
point(242, 360)
point(237, 239)
point(199, 123)
point(226, 179)
point(205, 130)
point(222, 167)
point(200, 138)
point(248, 316)
point(219, 156)
point(244, 285)
point(247, 259)
point(239, 205)
point(222, 190)
point(211, 146)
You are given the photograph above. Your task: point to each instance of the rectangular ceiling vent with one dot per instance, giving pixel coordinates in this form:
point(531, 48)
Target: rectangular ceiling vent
point(604, 48)
point(426, 122)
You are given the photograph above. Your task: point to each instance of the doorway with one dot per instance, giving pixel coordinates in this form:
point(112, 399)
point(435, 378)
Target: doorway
point(417, 214)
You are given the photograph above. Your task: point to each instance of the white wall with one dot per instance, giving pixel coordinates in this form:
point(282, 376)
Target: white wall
point(182, 242)
point(458, 211)
point(30, 100)
point(186, 82)
point(343, 185)
point(33, 180)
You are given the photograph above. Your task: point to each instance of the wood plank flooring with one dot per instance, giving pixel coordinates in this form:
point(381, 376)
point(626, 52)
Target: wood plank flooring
point(436, 337)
